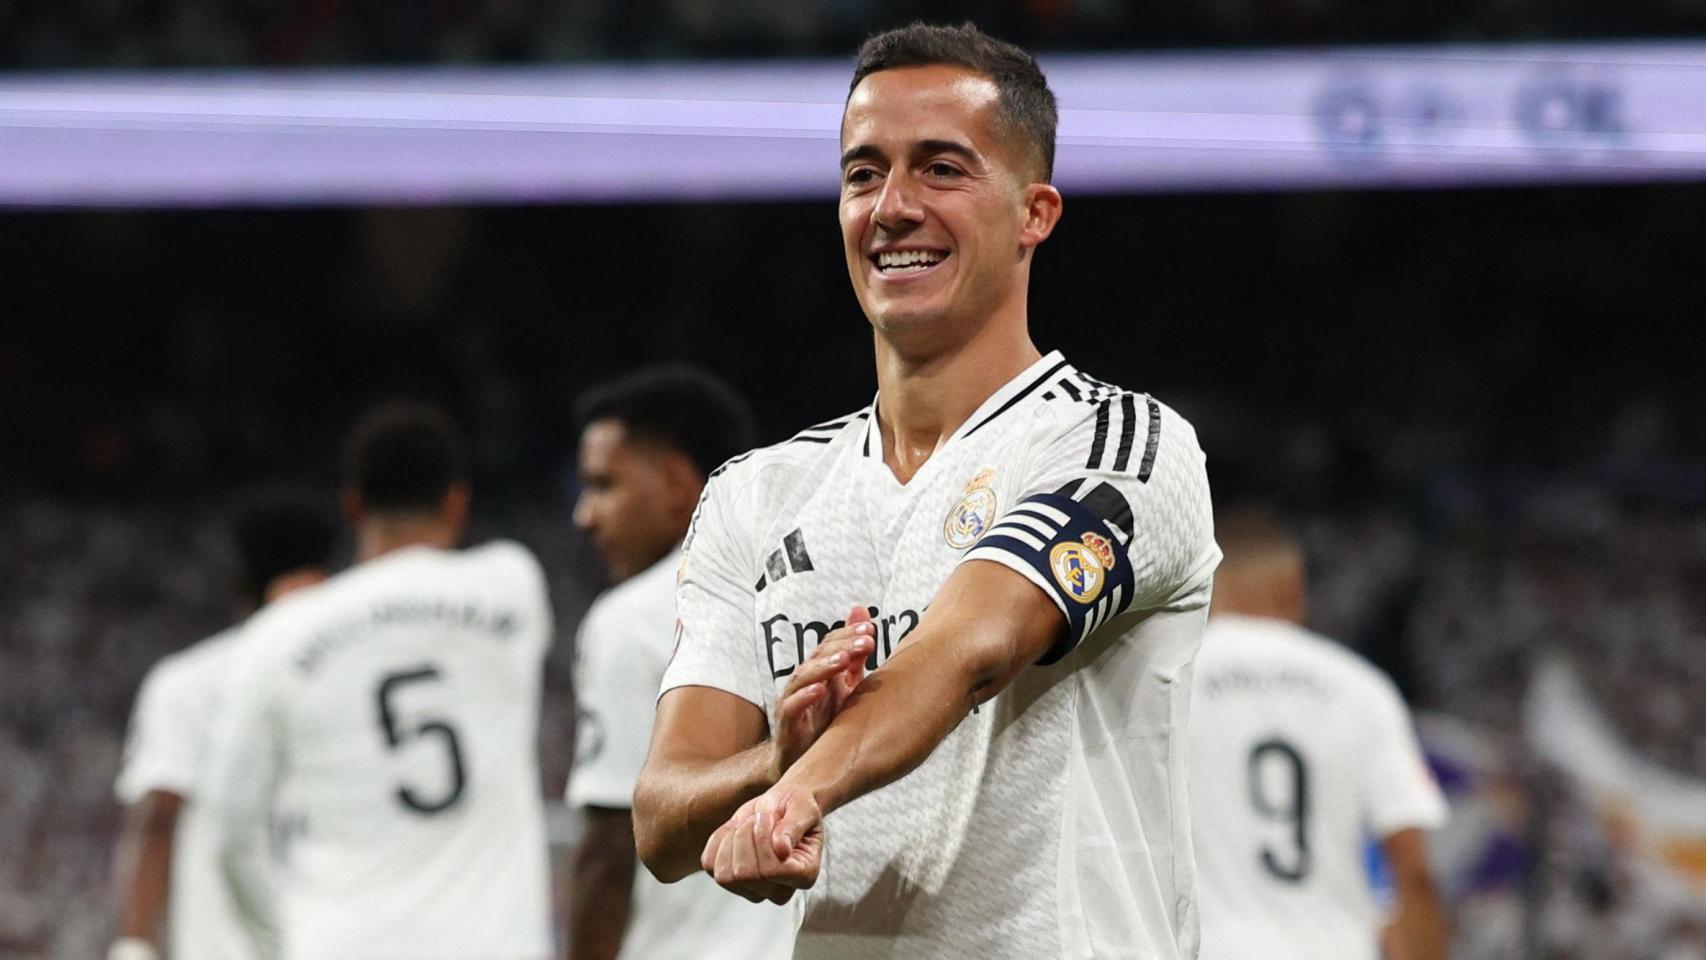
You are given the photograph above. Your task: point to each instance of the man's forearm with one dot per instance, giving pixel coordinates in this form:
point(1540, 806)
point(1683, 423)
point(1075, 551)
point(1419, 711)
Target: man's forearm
point(143, 866)
point(601, 885)
point(985, 626)
point(679, 802)
point(1419, 930)
point(890, 725)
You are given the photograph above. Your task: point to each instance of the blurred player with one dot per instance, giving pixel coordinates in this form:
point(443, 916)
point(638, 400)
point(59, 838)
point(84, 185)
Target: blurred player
point(165, 863)
point(648, 442)
point(1300, 751)
point(386, 722)
point(1030, 551)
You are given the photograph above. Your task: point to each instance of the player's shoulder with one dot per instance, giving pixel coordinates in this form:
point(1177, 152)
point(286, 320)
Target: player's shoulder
point(1121, 429)
point(761, 482)
point(502, 559)
point(184, 671)
point(1295, 647)
point(640, 598)
point(787, 461)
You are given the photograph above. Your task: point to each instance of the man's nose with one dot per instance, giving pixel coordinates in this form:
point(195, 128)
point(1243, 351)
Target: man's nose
point(897, 205)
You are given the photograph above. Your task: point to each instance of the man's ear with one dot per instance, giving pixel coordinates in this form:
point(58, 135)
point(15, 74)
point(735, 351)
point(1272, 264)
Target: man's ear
point(349, 503)
point(682, 480)
point(1042, 212)
point(455, 506)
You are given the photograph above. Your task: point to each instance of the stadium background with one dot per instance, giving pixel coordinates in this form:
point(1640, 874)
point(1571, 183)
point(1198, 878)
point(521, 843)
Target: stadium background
point(1481, 403)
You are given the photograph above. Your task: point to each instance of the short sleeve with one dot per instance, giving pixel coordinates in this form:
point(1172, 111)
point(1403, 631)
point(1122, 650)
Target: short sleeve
point(1115, 515)
point(714, 602)
point(616, 689)
point(1399, 792)
point(244, 765)
point(163, 745)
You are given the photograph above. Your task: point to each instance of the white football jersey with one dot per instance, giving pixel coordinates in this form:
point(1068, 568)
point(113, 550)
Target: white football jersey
point(622, 648)
point(1302, 752)
point(386, 723)
point(1053, 822)
point(166, 749)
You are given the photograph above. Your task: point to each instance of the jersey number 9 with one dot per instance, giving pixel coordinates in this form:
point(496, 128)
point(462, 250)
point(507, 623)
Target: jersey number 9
point(1291, 807)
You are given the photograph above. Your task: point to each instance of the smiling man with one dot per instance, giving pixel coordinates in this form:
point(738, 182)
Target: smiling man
point(1028, 554)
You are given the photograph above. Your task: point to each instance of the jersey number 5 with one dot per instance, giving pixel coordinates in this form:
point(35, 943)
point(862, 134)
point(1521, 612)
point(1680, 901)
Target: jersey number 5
point(389, 686)
point(1290, 808)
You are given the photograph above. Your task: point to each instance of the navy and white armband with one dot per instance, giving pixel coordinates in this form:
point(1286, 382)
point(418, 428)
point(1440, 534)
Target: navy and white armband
point(1067, 549)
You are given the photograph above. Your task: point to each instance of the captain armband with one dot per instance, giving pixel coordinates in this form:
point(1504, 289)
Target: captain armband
point(1062, 546)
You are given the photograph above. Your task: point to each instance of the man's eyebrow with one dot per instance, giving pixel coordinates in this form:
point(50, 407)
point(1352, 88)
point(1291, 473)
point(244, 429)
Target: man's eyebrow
point(949, 146)
point(868, 151)
point(861, 152)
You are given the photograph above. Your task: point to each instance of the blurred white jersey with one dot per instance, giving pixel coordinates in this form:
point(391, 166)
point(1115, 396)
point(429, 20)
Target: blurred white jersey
point(1052, 823)
point(386, 723)
point(166, 749)
point(622, 648)
point(1302, 752)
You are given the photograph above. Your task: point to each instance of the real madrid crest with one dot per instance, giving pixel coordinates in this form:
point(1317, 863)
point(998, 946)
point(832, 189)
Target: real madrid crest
point(974, 513)
point(1081, 566)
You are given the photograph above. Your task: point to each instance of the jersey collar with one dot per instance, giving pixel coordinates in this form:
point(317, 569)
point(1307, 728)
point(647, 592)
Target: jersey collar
point(1028, 383)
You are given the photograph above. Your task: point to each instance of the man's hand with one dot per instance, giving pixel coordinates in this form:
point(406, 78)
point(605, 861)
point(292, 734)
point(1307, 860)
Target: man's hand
point(772, 846)
point(819, 688)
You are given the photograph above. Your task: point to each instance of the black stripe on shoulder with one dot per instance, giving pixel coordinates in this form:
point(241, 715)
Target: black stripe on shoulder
point(1154, 441)
point(729, 463)
point(1128, 431)
point(1015, 398)
point(1069, 389)
point(1100, 444)
point(826, 431)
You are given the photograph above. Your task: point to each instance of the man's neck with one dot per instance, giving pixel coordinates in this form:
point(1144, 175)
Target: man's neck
point(923, 400)
point(379, 536)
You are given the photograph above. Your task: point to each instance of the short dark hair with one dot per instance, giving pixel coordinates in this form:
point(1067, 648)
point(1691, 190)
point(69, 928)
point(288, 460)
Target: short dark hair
point(278, 529)
point(683, 408)
point(403, 457)
point(1027, 103)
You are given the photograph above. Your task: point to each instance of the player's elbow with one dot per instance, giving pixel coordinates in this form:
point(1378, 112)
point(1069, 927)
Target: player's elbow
point(658, 846)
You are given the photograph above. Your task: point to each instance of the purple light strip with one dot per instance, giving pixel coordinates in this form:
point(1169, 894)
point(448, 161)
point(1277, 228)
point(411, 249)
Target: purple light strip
point(1400, 117)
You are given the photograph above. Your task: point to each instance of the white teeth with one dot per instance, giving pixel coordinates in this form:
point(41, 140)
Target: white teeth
point(909, 258)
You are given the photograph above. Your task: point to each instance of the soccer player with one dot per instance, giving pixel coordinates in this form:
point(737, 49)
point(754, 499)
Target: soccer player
point(1030, 551)
point(648, 442)
point(385, 725)
point(1301, 751)
point(165, 864)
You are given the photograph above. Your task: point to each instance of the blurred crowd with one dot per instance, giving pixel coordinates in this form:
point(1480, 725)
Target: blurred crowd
point(199, 33)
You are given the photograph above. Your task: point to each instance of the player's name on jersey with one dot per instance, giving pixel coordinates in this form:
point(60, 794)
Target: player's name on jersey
point(500, 624)
point(788, 636)
point(1235, 680)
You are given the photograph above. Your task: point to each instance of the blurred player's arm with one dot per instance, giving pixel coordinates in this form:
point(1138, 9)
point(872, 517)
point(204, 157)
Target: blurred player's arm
point(601, 884)
point(1402, 802)
point(1419, 930)
point(160, 763)
point(243, 769)
point(143, 866)
point(712, 751)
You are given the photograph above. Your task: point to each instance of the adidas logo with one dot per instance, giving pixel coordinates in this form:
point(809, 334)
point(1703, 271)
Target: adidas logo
point(791, 557)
